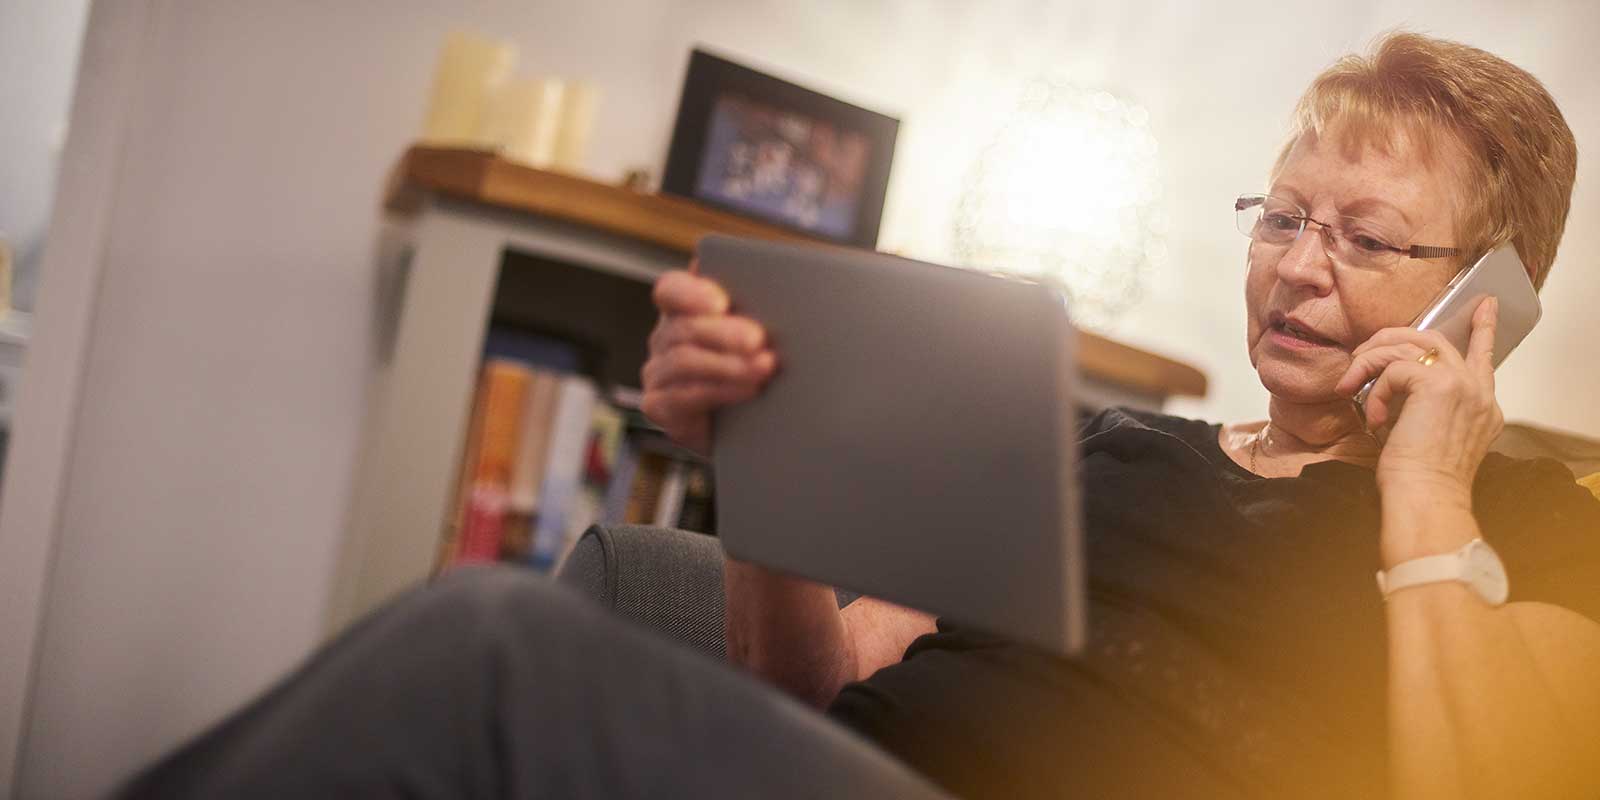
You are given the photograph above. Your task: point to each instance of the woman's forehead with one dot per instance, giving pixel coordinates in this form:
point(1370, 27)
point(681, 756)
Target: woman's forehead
point(1403, 179)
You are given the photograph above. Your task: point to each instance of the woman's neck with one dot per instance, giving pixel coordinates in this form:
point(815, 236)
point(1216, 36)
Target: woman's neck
point(1298, 434)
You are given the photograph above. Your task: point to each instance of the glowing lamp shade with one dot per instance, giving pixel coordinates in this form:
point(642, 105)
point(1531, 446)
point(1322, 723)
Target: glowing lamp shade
point(1068, 191)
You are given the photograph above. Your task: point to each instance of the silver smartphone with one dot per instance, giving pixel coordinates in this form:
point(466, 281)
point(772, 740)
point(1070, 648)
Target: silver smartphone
point(1501, 274)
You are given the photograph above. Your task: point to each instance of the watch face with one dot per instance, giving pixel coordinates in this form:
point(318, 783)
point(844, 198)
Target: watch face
point(1485, 574)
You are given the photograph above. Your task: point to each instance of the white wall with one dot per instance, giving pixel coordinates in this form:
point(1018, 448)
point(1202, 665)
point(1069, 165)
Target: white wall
point(226, 375)
point(38, 53)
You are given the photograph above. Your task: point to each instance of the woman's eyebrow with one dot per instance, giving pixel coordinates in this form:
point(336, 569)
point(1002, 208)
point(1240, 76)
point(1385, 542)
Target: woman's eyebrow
point(1287, 192)
point(1355, 208)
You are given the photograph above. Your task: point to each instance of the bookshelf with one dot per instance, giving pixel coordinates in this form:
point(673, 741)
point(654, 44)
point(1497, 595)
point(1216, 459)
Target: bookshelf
point(470, 238)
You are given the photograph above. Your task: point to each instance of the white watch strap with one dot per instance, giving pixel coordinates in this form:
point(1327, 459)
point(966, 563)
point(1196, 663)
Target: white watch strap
point(1421, 571)
point(1476, 565)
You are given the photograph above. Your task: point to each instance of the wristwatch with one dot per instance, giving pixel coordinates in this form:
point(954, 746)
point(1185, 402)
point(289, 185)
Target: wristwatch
point(1476, 565)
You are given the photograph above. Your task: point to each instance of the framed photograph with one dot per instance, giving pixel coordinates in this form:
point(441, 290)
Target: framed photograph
point(765, 148)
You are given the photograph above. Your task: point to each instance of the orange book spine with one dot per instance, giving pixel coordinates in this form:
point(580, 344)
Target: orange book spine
point(505, 387)
point(450, 542)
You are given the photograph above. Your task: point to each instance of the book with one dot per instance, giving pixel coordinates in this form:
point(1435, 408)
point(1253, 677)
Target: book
point(503, 389)
point(527, 470)
point(539, 415)
point(619, 489)
point(697, 512)
point(649, 472)
point(670, 501)
point(605, 434)
point(565, 459)
point(529, 488)
point(450, 542)
point(534, 349)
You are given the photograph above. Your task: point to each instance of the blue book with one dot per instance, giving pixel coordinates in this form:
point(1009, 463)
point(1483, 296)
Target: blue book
point(533, 349)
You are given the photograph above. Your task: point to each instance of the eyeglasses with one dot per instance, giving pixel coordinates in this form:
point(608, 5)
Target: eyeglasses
point(1352, 241)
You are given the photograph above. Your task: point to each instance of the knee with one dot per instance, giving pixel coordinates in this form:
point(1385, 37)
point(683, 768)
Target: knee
point(483, 613)
point(494, 597)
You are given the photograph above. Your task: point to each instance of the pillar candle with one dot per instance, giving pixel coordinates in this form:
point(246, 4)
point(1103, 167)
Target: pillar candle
point(470, 71)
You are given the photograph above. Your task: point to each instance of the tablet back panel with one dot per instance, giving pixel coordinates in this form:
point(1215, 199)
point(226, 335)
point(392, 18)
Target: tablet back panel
point(917, 442)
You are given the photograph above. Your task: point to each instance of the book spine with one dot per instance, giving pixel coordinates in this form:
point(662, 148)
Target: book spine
point(671, 500)
point(522, 498)
point(450, 542)
point(600, 459)
point(528, 470)
point(505, 387)
point(649, 472)
point(540, 352)
point(564, 467)
point(620, 487)
point(696, 514)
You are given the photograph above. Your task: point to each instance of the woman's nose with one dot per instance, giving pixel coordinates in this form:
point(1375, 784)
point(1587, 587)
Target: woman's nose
point(1306, 262)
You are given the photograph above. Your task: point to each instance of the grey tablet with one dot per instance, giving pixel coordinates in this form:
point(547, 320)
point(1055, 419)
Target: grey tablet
point(917, 442)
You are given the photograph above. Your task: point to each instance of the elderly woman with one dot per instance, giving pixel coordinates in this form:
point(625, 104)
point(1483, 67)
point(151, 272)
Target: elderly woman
point(1239, 645)
point(1239, 641)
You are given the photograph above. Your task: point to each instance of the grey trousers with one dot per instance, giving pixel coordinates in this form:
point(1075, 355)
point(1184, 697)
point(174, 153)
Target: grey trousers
point(494, 682)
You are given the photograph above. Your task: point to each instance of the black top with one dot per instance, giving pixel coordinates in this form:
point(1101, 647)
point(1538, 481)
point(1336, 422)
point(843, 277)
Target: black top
point(1237, 636)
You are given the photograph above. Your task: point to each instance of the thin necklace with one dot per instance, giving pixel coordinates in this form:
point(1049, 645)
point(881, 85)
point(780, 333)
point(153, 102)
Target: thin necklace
point(1255, 446)
point(1266, 431)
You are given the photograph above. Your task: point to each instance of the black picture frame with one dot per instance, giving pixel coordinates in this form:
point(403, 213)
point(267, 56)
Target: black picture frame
point(715, 86)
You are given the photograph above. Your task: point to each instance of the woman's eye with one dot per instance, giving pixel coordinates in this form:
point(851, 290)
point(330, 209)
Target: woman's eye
point(1368, 243)
point(1279, 221)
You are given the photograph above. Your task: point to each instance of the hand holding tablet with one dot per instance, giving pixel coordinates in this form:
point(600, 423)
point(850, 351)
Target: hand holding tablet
point(916, 445)
point(701, 358)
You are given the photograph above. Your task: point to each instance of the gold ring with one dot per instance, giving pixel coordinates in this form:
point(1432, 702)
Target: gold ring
point(1429, 357)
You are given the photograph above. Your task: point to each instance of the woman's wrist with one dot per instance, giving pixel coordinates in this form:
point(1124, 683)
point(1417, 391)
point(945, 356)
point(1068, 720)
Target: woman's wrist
point(1424, 520)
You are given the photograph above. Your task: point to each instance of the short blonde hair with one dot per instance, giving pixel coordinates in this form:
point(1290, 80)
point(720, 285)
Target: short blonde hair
point(1522, 157)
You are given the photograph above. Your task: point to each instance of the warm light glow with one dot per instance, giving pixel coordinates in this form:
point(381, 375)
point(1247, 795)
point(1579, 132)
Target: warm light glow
point(1068, 191)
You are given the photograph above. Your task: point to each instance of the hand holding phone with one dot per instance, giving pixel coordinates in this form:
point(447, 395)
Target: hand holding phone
point(1501, 274)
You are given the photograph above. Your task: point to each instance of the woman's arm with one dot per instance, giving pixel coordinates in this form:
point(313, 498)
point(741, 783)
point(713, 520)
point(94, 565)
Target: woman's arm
point(1484, 701)
point(793, 634)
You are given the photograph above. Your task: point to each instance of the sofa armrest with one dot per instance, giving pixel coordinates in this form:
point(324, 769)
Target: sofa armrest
point(664, 579)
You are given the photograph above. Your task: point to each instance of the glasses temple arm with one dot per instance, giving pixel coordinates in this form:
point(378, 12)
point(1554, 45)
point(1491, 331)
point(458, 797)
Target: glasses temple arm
point(1425, 251)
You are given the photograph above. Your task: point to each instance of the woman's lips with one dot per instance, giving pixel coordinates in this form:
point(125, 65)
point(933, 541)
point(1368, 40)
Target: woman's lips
point(1280, 336)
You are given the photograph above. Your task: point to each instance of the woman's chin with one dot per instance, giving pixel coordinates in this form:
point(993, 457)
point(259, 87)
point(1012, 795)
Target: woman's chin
point(1295, 386)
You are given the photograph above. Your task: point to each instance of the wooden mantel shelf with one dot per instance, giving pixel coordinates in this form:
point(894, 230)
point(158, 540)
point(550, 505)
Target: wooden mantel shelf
point(678, 224)
point(671, 222)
